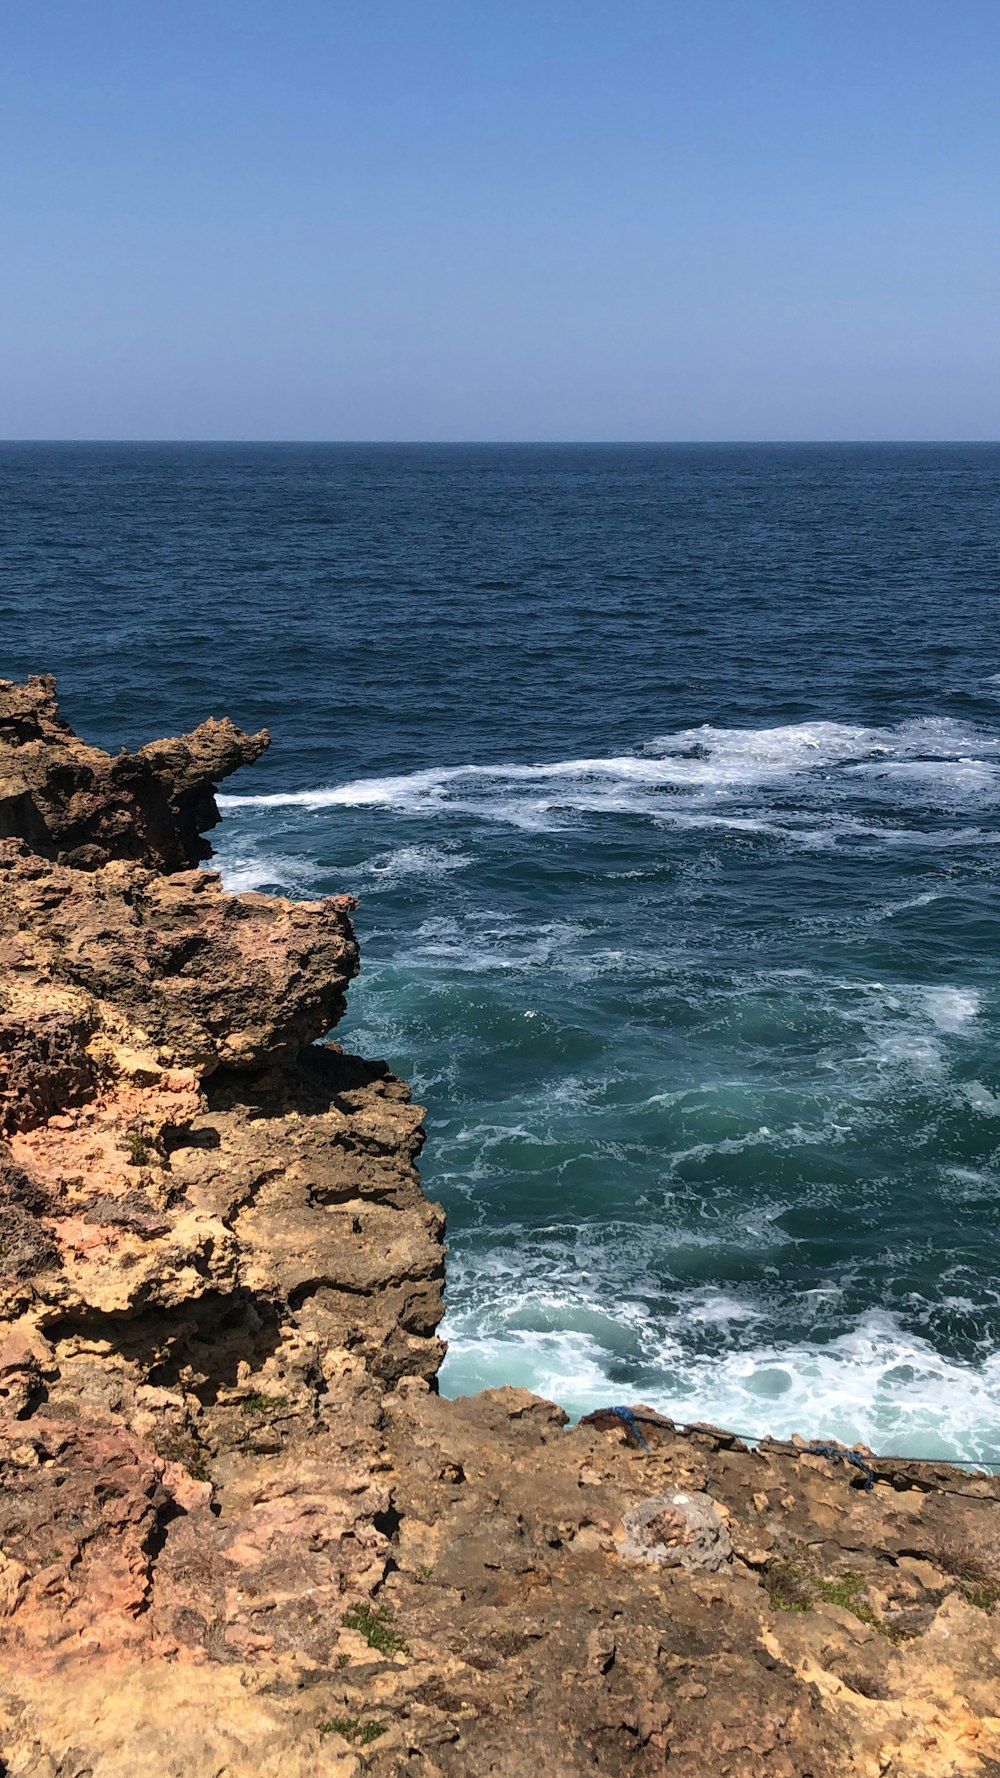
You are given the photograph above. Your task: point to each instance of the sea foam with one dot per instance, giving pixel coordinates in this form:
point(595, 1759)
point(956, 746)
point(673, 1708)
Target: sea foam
point(876, 1383)
point(939, 758)
point(700, 1058)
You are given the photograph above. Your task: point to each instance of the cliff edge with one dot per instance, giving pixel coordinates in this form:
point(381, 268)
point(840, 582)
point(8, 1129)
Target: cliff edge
point(240, 1532)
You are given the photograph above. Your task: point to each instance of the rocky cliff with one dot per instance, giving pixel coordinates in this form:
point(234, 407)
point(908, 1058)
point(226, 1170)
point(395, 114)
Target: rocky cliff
point(240, 1532)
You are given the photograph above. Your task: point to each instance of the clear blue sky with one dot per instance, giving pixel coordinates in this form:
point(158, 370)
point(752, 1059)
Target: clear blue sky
point(521, 219)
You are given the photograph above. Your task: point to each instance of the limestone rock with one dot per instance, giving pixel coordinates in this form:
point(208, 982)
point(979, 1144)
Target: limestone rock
point(676, 1531)
point(74, 803)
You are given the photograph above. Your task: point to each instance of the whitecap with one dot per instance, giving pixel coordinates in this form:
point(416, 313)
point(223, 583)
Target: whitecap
point(981, 1098)
point(242, 871)
point(970, 1184)
point(952, 1009)
point(713, 1308)
point(964, 776)
point(736, 754)
point(680, 778)
point(388, 868)
point(876, 1383)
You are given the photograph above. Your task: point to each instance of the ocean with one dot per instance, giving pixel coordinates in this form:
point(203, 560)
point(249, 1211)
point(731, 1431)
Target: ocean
point(667, 778)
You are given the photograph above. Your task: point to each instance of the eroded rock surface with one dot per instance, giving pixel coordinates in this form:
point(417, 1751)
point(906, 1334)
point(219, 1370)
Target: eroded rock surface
point(240, 1532)
point(79, 805)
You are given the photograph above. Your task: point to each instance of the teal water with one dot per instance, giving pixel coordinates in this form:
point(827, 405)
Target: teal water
point(668, 781)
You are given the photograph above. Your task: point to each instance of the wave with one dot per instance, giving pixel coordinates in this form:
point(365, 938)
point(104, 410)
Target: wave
point(665, 1077)
point(739, 755)
point(245, 869)
point(935, 759)
point(876, 1382)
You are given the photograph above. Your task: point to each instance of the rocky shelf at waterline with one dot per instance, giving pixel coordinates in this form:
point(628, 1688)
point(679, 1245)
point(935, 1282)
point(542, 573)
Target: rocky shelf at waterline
point(240, 1531)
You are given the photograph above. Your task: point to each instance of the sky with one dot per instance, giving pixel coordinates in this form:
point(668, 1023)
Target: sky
point(500, 219)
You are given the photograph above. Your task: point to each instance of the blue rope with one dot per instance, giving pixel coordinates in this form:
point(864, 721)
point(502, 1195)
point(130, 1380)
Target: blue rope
point(838, 1454)
point(835, 1453)
point(630, 1423)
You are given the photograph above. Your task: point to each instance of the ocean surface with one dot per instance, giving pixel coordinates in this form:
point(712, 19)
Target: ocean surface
point(668, 781)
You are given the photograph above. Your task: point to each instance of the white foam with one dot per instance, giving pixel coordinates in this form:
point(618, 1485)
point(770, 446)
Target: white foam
point(412, 861)
point(971, 1185)
point(952, 1009)
point(964, 776)
point(876, 1383)
point(738, 753)
point(493, 942)
point(713, 1308)
point(361, 792)
point(980, 1098)
point(678, 778)
point(909, 1052)
point(890, 909)
point(247, 870)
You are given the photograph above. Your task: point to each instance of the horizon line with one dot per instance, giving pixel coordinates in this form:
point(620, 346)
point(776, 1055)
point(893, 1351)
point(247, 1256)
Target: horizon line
point(513, 443)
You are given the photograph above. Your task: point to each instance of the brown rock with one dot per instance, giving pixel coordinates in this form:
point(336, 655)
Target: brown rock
point(76, 804)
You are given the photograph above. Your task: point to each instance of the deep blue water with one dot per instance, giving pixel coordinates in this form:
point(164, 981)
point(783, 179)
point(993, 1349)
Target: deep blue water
point(668, 779)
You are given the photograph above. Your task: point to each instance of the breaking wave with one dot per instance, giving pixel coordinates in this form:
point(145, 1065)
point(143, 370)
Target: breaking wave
point(876, 1382)
point(704, 777)
point(655, 994)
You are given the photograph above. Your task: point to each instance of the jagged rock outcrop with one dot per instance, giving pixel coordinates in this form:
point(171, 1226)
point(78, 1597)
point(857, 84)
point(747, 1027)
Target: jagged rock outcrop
point(240, 1532)
point(76, 804)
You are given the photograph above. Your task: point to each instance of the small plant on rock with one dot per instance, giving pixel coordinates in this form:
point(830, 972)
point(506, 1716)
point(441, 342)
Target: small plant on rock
point(262, 1404)
point(375, 1626)
point(795, 1586)
point(183, 1447)
point(352, 1729)
point(843, 1590)
point(978, 1579)
point(788, 1588)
